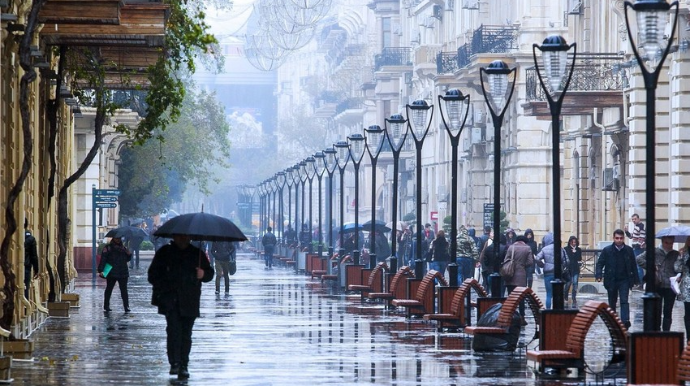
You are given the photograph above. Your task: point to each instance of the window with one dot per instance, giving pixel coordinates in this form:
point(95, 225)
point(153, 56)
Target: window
point(386, 33)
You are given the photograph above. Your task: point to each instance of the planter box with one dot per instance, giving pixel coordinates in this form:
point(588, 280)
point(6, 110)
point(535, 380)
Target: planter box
point(58, 309)
point(19, 349)
point(72, 299)
point(5, 367)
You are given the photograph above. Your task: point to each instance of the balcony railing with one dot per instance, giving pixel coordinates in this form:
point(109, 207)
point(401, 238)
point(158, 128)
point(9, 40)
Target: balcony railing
point(446, 62)
point(593, 72)
point(494, 39)
point(393, 56)
point(464, 54)
point(347, 104)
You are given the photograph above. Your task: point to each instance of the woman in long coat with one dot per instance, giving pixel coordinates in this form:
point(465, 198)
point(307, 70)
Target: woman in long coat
point(522, 256)
point(682, 265)
point(439, 252)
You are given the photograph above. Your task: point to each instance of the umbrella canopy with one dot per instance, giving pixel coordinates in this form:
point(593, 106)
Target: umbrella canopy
point(401, 225)
point(201, 226)
point(128, 232)
point(350, 227)
point(680, 233)
point(380, 226)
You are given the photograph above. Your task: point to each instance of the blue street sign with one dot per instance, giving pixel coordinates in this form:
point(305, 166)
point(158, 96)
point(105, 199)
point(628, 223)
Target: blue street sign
point(106, 205)
point(106, 192)
point(102, 199)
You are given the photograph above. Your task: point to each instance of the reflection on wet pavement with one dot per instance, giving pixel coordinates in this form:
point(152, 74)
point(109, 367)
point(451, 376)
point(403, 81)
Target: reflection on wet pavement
point(276, 328)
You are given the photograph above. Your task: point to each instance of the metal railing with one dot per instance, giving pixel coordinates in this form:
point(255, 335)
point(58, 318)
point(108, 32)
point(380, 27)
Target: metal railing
point(494, 39)
point(589, 263)
point(447, 62)
point(393, 56)
point(347, 104)
point(593, 72)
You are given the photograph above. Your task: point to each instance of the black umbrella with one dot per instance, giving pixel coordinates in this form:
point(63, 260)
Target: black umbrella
point(128, 232)
point(201, 226)
point(380, 226)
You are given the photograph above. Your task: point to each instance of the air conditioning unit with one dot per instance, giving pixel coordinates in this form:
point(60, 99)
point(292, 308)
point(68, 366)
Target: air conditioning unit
point(479, 116)
point(575, 7)
point(466, 144)
point(415, 36)
point(470, 4)
point(409, 164)
point(489, 134)
point(410, 191)
point(450, 5)
point(476, 135)
point(610, 182)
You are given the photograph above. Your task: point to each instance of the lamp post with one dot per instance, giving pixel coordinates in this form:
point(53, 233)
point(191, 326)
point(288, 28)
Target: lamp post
point(496, 99)
point(289, 181)
point(330, 161)
point(280, 184)
point(296, 179)
point(250, 195)
point(356, 143)
point(303, 179)
point(651, 48)
point(343, 155)
point(456, 109)
point(555, 57)
point(319, 168)
point(419, 121)
point(310, 171)
point(396, 132)
point(374, 141)
point(273, 186)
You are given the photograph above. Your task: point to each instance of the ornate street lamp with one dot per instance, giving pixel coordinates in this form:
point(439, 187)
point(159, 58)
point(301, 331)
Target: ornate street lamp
point(280, 184)
point(311, 171)
point(298, 219)
point(554, 51)
point(251, 189)
point(455, 107)
point(330, 161)
point(419, 121)
point(498, 90)
point(289, 181)
point(273, 186)
point(304, 176)
point(374, 141)
point(396, 132)
point(651, 48)
point(343, 155)
point(356, 142)
point(319, 168)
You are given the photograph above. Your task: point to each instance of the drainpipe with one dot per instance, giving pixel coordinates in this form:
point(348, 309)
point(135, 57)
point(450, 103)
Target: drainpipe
point(602, 199)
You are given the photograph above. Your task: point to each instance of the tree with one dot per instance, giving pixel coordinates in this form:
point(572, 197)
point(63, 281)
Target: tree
point(152, 177)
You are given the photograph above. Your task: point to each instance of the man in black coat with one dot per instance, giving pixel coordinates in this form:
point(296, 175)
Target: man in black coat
point(30, 258)
point(176, 273)
point(617, 266)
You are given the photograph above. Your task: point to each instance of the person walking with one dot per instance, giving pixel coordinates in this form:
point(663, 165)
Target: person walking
point(439, 252)
point(682, 265)
point(523, 258)
point(545, 259)
point(176, 273)
point(574, 254)
point(532, 243)
point(134, 245)
point(637, 238)
point(269, 243)
point(664, 259)
point(467, 255)
point(223, 252)
point(616, 266)
point(116, 256)
point(30, 258)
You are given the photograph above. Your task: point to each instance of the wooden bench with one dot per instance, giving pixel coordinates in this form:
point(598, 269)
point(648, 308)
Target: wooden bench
point(459, 308)
point(374, 282)
point(423, 301)
point(335, 263)
point(682, 371)
point(573, 354)
point(505, 316)
point(396, 286)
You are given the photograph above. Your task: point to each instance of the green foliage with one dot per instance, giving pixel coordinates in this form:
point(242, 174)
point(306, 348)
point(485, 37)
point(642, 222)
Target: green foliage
point(146, 246)
point(154, 175)
point(503, 222)
point(409, 217)
point(446, 223)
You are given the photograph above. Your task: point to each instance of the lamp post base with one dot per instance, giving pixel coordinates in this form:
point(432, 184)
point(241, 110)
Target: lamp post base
point(355, 257)
point(372, 260)
point(393, 264)
point(495, 283)
point(557, 294)
point(418, 269)
point(651, 303)
point(453, 274)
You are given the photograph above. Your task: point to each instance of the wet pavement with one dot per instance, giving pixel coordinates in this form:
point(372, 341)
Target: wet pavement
point(279, 328)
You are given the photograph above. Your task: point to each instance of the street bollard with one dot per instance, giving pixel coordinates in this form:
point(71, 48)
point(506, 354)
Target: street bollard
point(355, 257)
point(372, 260)
point(495, 282)
point(418, 269)
point(453, 273)
point(393, 264)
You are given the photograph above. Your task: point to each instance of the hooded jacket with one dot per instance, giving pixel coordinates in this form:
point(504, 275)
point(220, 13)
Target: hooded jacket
point(547, 254)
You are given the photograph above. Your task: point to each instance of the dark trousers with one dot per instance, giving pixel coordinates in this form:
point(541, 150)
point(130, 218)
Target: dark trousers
point(620, 289)
point(179, 331)
point(110, 284)
point(223, 270)
point(686, 319)
point(668, 298)
point(27, 281)
point(134, 263)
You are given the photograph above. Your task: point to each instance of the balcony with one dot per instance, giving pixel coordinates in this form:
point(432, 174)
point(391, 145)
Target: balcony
point(596, 82)
point(349, 111)
point(446, 62)
point(488, 39)
point(393, 56)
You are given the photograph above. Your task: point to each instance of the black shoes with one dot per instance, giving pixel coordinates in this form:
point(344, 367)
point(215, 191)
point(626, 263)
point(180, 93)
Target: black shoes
point(183, 373)
point(174, 369)
point(627, 324)
point(127, 310)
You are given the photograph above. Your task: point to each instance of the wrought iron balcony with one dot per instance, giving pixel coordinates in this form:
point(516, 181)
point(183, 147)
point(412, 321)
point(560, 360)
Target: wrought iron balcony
point(447, 62)
point(393, 56)
point(347, 104)
point(464, 54)
point(494, 39)
point(593, 72)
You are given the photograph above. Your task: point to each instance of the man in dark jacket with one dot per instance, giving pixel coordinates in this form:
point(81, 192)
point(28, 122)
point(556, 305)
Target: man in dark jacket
point(116, 256)
point(223, 252)
point(269, 243)
point(617, 266)
point(30, 258)
point(176, 273)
